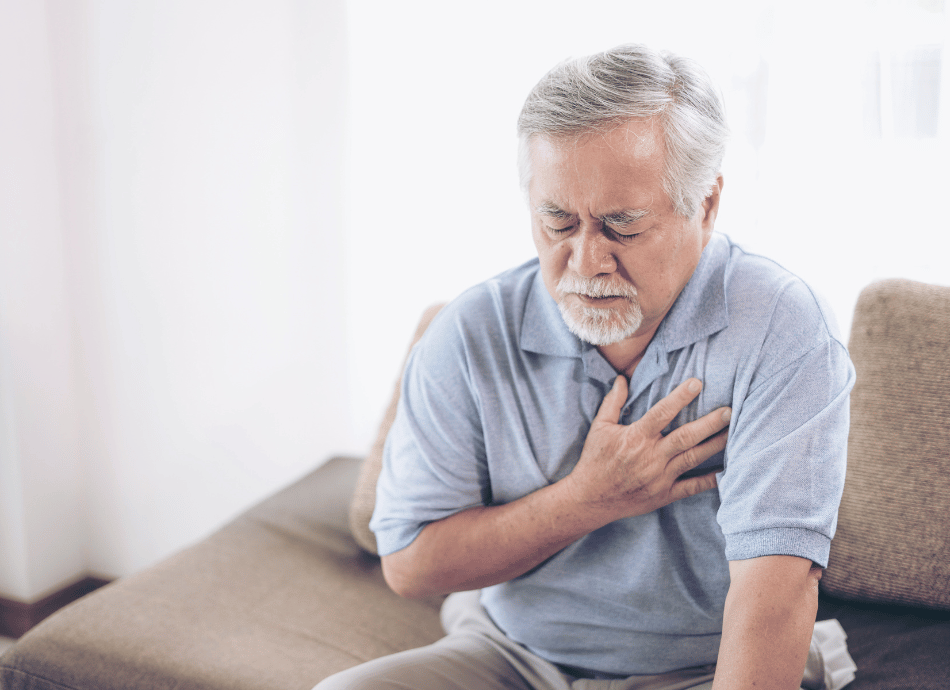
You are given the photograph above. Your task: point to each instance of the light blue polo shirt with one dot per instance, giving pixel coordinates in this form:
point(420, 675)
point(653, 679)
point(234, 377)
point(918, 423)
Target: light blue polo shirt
point(497, 400)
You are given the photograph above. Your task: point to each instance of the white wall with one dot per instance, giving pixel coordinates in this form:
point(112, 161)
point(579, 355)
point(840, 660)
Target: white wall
point(216, 273)
point(171, 308)
point(42, 520)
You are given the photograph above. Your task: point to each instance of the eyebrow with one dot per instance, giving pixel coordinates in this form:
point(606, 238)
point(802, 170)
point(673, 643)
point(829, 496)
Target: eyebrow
point(622, 219)
point(619, 219)
point(551, 209)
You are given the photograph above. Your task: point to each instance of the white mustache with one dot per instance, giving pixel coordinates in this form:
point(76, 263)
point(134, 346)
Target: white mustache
point(594, 287)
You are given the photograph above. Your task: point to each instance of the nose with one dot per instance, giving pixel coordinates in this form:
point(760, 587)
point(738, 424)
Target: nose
point(591, 253)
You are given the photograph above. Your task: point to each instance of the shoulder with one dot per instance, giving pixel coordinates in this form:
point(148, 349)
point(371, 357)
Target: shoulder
point(771, 306)
point(481, 323)
point(488, 310)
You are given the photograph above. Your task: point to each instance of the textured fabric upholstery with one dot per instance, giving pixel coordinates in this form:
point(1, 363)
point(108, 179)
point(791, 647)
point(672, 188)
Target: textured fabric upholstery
point(364, 499)
point(279, 598)
point(893, 539)
point(894, 647)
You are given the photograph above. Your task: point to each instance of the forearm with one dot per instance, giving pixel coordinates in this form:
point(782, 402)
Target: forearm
point(624, 470)
point(767, 624)
point(484, 546)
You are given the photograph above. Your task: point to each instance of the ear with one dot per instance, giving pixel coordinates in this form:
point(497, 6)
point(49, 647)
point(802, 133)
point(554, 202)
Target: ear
point(710, 209)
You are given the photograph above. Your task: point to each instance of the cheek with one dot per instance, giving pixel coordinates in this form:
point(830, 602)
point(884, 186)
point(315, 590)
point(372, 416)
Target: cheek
point(660, 282)
point(553, 262)
point(677, 266)
point(537, 237)
point(549, 250)
point(658, 271)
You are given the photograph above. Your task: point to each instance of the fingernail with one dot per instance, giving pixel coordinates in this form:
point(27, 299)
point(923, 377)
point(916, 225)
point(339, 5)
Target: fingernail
point(726, 414)
point(694, 386)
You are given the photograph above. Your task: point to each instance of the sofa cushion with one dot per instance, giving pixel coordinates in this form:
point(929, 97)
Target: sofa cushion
point(364, 499)
point(893, 539)
point(280, 598)
point(894, 647)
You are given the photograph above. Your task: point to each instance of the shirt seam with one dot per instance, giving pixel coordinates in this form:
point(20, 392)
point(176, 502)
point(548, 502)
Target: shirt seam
point(795, 361)
point(786, 527)
point(797, 279)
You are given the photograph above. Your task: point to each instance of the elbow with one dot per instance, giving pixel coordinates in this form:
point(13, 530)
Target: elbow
point(403, 586)
point(402, 578)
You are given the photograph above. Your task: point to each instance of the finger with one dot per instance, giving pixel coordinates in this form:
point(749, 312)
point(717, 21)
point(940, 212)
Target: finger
point(698, 454)
point(660, 415)
point(684, 488)
point(689, 435)
point(612, 403)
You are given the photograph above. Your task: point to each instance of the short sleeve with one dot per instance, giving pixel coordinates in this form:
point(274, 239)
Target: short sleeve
point(786, 455)
point(434, 459)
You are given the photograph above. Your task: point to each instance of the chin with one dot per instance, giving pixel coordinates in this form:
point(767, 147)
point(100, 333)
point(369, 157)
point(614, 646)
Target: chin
point(599, 326)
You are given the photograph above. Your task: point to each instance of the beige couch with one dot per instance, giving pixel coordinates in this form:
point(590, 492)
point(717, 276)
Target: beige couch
point(290, 592)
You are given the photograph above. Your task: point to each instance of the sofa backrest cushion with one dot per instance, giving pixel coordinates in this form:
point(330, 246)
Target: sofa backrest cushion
point(893, 539)
point(364, 498)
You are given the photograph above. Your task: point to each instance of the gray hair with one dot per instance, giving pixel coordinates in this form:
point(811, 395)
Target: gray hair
point(603, 91)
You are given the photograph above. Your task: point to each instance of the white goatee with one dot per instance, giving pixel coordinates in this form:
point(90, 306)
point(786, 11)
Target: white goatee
point(599, 325)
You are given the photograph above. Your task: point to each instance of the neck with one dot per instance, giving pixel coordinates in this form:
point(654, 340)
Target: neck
point(626, 355)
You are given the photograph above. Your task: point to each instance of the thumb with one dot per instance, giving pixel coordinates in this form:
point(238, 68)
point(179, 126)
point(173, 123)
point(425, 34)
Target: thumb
point(612, 404)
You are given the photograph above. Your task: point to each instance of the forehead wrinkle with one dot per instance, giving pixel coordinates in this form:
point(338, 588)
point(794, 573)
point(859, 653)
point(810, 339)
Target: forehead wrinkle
point(628, 142)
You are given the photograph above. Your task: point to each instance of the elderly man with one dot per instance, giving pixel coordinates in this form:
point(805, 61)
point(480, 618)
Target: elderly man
point(627, 454)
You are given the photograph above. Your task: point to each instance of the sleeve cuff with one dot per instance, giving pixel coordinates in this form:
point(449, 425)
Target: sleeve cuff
point(779, 541)
point(395, 539)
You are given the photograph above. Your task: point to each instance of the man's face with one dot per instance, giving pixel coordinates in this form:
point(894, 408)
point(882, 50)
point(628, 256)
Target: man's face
point(614, 253)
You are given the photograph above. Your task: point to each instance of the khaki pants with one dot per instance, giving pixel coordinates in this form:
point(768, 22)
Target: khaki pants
point(476, 655)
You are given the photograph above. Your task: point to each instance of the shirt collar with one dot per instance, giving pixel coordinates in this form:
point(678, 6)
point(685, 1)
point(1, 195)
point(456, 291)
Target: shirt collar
point(542, 328)
point(698, 312)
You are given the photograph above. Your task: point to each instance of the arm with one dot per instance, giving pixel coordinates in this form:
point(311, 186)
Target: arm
point(768, 622)
point(623, 471)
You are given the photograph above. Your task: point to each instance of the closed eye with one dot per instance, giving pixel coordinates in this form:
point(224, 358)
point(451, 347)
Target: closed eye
point(622, 234)
point(621, 223)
